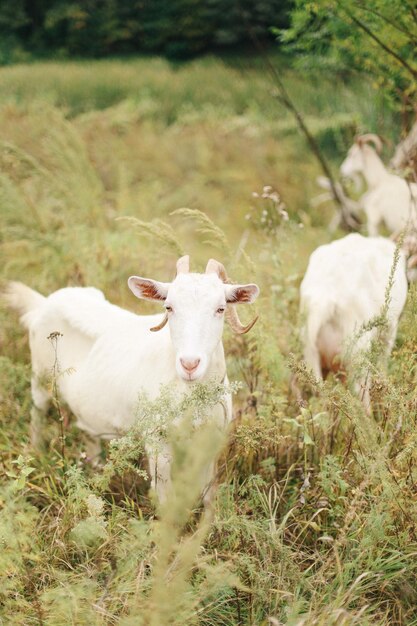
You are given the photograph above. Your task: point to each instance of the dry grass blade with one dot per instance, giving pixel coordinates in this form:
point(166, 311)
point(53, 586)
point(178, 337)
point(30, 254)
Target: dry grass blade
point(206, 227)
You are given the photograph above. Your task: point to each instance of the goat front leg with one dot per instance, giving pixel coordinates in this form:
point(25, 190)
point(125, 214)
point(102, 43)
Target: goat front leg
point(372, 222)
point(313, 361)
point(37, 428)
point(41, 402)
point(209, 485)
point(92, 449)
point(160, 471)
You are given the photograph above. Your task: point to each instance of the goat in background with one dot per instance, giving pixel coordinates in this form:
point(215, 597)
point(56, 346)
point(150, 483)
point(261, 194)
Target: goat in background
point(389, 199)
point(343, 289)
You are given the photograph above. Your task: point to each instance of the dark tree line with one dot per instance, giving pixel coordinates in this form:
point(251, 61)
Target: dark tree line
point(176, 28)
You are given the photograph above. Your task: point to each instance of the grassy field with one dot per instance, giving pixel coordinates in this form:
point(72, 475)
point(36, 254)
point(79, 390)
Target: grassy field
point(315, 518)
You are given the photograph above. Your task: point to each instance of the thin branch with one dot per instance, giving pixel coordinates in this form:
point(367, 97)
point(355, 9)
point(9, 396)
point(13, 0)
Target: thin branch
point(412, 37)
point(412, 9)
point(377, 40)
point(347, 219)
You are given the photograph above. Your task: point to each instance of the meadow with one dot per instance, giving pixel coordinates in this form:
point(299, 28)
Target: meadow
point(113, 168)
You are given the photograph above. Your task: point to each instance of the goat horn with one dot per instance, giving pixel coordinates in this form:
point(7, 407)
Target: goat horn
point(214, 267)
point(183, 264)
point(232, 318)
point(183, 267)
point(235, 323)
point(370, 138)
point(161, 325)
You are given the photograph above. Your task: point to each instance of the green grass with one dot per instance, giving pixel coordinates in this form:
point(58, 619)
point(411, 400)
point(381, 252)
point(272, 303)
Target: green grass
point(315, 517)
point(207, 88)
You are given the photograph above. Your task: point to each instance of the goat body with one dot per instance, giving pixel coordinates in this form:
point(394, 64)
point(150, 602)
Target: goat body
point(344, 287)
point(390, 199)
point(105, 356)
point(394, 202)
point(100, 375)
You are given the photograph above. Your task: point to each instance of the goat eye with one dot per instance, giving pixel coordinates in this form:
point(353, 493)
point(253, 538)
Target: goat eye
point(168, 308)
point(220, 310)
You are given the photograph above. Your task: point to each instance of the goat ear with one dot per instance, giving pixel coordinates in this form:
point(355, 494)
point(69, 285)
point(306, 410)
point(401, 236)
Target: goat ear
point(241, 294)
point(148, 289)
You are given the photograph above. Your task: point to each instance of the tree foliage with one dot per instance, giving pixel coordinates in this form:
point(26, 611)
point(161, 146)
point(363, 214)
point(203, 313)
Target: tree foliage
point(374, 36)
point(176, 28)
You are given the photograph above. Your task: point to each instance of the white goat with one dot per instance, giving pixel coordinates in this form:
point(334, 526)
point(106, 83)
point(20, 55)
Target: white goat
point(114, 354)
point(390, 198)
point(352, 207)
point(343, 289)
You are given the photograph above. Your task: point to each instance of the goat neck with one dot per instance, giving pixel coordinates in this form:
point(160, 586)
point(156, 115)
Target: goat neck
point(374, 170)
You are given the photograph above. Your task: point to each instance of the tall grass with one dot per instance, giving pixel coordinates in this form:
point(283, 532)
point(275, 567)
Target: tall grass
point(205, 88)
point(314, 522)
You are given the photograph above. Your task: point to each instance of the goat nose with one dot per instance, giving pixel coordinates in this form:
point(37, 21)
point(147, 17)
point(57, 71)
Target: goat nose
point(190, 364)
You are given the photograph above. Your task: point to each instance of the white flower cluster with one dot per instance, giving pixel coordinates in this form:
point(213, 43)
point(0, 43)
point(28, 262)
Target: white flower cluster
point(273, 211)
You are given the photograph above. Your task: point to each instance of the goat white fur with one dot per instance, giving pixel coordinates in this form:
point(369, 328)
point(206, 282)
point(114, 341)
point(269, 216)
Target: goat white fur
point(113, 355)
point(343, 288)
point(352, 206)
point(390, 198)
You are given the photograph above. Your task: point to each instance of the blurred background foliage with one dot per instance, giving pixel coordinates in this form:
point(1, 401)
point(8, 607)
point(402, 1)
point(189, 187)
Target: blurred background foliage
point(377, 37)
point(328, 37)
point(101, 27)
